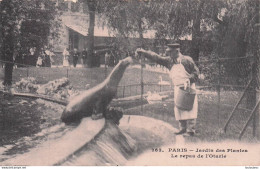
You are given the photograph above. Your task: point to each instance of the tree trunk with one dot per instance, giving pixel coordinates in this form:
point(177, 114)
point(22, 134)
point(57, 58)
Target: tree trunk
point(8, 74)
point(7, 47)
point(196, 35)
point(91, 55)
point(8, 50)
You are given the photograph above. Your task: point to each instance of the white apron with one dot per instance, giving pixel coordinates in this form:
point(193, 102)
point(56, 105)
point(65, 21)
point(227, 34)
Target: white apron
point(179, 76)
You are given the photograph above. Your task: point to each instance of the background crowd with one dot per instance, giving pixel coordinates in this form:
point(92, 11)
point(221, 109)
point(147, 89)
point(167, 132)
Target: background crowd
point(42, 57)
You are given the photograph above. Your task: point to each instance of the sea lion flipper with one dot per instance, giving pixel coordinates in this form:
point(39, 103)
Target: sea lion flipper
point(98, 110)
point(97, 116)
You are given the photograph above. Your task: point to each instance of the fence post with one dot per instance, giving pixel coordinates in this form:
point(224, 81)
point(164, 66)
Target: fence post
point(142, 85)
point(27, 72)
point(67, 73)
point(254, 95)
point(123, 91)
point(3, 118)
point(218, 90)
point(105, 70)
point(257, 119)
point(257, 71)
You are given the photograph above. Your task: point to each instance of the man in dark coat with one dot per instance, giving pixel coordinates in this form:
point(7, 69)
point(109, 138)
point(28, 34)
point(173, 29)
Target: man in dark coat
point(84, 55)
point(75, 56)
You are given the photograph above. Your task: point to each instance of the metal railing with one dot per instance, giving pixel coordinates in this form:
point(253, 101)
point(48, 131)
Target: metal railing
point(226, 78)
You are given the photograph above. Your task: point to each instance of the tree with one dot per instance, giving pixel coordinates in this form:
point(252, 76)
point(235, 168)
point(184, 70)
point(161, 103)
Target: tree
point(174, 19)
point(187, 17)
point(38, 24)
point(20, 21)
point(237, 37)
point(92, 6)
point(129, 18)
point(92, 9)
point(9, 17)
point(196, 31)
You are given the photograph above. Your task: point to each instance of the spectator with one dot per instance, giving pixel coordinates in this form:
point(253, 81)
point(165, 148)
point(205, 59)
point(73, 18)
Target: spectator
point(116, 57)
point(66, 55)
point(84, 56)
point(111, 61)
point(39, 62)
point(31, 59)
point(75, 57)
point(49, 59)
point(43, 56)
point(107, 57)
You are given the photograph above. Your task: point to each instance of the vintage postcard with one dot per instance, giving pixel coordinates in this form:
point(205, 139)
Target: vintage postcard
point(129, 83)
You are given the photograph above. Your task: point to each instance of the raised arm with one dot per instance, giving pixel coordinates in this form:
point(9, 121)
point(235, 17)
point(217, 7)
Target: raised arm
point(164, 61)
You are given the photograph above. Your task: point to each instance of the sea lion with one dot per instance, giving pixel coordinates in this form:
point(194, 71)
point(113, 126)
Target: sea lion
point(93, 102)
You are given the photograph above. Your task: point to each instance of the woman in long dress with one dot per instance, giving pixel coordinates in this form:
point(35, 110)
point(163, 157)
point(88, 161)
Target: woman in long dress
point(182, 70)
point(66, 55)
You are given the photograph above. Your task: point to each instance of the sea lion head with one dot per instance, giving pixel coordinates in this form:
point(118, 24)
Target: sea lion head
point(127, 60)
point(117, 73)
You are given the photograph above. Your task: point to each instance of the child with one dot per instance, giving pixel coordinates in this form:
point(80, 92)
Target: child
point(39, 62)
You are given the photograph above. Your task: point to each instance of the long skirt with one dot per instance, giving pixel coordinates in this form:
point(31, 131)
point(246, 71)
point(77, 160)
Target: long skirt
point(66, 63)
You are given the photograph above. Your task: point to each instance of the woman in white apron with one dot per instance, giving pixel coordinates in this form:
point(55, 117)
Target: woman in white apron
point(183, 71)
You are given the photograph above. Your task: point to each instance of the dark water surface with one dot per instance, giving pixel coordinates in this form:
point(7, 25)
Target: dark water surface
point(26, 123)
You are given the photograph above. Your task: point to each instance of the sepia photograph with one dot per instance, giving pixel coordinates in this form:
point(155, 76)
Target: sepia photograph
point(129, 83)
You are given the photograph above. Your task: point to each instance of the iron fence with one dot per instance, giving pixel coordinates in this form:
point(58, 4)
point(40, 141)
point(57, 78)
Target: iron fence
point(228, 84)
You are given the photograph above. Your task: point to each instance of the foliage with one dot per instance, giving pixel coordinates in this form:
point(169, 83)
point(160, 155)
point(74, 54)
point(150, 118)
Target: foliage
point(170, 19)
point(227, 25)
point(128, 19)
point(40, 24)
point(235, 36)
point(32, 21)
point(219, 29)
point(25, 24)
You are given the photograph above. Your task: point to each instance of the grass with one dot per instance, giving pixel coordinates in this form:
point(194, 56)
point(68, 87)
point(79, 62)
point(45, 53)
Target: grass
point(17, 121)
point(80, 77)
point(209, 121)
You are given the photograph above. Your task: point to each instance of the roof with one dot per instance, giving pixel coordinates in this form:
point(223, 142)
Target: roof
point(79, 23)
point(77, 28)
point(83, 30)
point(102, 31)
